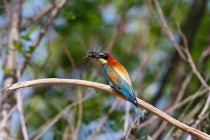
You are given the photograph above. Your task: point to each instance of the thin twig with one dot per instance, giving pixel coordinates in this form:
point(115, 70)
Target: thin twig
point(126, 122)
point(167, 30)
point(178, 99)
point(190, 60)
point(44, 128)
point(53, 14)
point(21, 114)
point(201, 119)
point(180, 117)
point(71, 59)
point(43, 30)
point(188, 117)
point(108, 89)
point(195, 70)
point(20, 106)
point(6, 9)
point(204, 110)
point(203, 56)
point(160, 129)
point(205, 106)
point(115, 34)
point(103, 120)
point(176, 106)
point(68, 130)
point(205, 53)
point(133, 125)
point(183, 87)
point(76, 132)
point(46, 9)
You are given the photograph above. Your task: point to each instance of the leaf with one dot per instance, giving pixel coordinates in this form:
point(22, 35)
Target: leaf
point(5, 69)
point(18, 46)
point(31, 49)
point(27, 35)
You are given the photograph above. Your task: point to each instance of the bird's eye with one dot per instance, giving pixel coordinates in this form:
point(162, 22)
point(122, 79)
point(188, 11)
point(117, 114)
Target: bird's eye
point(102, 55)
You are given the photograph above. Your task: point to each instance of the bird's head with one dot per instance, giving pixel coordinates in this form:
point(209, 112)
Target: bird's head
point(102, 57)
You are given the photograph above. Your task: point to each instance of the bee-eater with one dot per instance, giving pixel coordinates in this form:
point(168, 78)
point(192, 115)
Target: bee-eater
point(118, 77)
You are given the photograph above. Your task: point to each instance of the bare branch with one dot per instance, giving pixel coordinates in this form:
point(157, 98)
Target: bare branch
point(186, 116)
point(21, 114)
point(79, 119)
point(198, 122)
point(69, 129)
point(183, 87)
point(6, 9)
point(205, 54)
point(192, 64)
point(126, 122)
point(161, 128)
point(46, 9)
point(167, 30)
point(71, 59)
point(108, 89)
point(103, 120)
point(176, 106)
point(115, 33)
point(202, 114)
point(179, 49)
point(205, 107)
point(43, 30)
point(44, 128)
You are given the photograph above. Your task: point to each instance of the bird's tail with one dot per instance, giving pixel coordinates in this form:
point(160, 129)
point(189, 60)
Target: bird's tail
point(139, 111)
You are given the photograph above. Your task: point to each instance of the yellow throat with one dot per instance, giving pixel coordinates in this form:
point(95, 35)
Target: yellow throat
point(103, 61)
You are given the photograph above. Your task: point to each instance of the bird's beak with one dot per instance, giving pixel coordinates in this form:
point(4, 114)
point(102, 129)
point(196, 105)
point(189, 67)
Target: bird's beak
point(96, 56)
point(93, 55)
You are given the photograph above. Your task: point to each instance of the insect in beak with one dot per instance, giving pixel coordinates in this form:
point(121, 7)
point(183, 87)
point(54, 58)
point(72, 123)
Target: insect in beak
point(92, 55)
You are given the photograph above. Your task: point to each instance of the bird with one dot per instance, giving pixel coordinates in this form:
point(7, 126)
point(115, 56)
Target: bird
point(118, 77)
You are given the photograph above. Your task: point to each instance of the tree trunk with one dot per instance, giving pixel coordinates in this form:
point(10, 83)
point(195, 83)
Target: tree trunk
point(10, 63)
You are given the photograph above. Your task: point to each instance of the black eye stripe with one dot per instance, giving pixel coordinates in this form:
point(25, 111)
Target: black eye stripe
point(105, 57)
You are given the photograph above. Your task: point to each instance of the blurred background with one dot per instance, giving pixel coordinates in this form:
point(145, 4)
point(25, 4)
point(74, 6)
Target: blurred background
point(53, 38)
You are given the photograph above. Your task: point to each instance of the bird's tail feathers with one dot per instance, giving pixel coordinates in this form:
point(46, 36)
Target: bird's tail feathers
point(139, 111)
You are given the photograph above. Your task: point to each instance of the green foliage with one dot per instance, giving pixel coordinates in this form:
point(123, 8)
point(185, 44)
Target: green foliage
point(6, 70)
point(26, 36)
point(18, 46)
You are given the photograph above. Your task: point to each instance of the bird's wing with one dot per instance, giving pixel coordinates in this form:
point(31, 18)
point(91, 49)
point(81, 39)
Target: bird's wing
point(122, 72)
point(121, 85)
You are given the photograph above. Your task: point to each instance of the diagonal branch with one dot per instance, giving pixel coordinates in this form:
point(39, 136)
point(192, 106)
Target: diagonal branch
point(108, 89)
point(176, 106)
point(43, 30)
point(46, 9)
point(194, 17)
point(167, 30)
